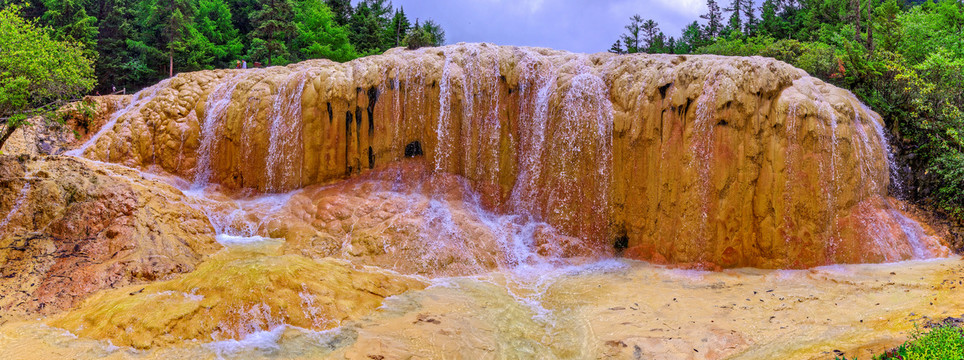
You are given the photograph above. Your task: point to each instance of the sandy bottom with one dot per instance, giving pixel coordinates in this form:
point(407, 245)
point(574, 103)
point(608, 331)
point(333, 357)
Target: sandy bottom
point(612, 309)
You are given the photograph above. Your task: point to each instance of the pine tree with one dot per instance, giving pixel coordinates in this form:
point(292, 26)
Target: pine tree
point(693, 37)
point(367, 25)
point(435, 32)
point(165, 30)
point(273, 29)
point(220, 38)
point(116, 25)
point(651, 34)
point(341, 9)
point(736, 10)
point(714, 19)
point(770, 22)
point(632, 38)
point(69, 21)
point(397, 29)
point(749, 13)
point(318, 35)
point(617, 47)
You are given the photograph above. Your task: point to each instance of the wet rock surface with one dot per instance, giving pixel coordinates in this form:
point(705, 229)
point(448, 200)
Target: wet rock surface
point(234, 294)
point(718, 161)
point(69, 228)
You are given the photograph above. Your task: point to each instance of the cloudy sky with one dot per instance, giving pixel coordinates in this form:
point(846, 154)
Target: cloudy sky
point(574, 25)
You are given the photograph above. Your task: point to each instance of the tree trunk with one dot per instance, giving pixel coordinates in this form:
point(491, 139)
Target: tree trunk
point(870, 26)
point(856, 5)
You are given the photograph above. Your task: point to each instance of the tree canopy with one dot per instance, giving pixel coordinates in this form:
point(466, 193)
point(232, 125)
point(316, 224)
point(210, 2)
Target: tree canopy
point(36, 71)
point(903, 58)
point(135, 43)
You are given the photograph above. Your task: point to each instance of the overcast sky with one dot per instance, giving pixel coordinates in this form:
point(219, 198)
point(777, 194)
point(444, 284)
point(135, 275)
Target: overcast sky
point(574, 25)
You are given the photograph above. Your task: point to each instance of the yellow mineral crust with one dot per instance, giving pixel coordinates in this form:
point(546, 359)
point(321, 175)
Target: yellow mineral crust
point(234, 294)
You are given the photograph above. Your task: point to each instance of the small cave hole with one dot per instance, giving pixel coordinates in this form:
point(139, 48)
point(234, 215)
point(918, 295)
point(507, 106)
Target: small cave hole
point(331, 117)
point(621, 243)
point(502, 77)
point(663, 89)
point(722, 123)
point(413, 149)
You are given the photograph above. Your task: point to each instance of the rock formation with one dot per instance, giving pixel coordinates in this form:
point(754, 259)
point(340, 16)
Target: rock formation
point(681, 159)
point(236, 294)
point(69, 228)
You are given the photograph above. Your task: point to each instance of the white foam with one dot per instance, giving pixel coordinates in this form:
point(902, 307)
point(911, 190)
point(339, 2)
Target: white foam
point(265, 341)
point(229, 240)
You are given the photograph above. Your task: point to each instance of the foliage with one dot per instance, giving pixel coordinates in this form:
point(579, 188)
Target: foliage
point(36, 71)
point(135, 43)
point(942, 342)
point(904, 59)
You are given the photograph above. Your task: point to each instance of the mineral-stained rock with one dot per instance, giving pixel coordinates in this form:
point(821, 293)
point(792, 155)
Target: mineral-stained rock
point(52, 137)
point(234, 294)
point(70, 227)
point(685, 159)
point(407, 219)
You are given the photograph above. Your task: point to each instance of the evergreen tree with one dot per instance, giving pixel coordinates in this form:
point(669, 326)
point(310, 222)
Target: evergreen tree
point(634, 31)
point(116, 65)
point(341, 9)
point(617, 47)
point(770, 23)
point(273, 29)
point(651, 34)
point(749, 14)
point(693, 37)
point(319, 35)
point(397, 29)
point(736, 10)
point(368, 22)
point(714, 19)
point(69, 22)
point(166, 29)
point(220, 38)
point(435, 32)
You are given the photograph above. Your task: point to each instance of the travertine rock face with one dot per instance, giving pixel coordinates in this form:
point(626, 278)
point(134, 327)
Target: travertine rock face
point(682, 159)
point(405, 218)
point(235, 294)
point(69, 228)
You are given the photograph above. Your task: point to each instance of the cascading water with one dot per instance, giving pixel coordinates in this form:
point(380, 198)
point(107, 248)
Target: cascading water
point(283, 161)
point(24, 191)
point(215, 111)
point(138, 102)
point(534, 161)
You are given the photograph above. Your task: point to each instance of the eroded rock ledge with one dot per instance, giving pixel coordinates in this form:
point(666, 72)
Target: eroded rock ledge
point(681, 159)
point(69, 228)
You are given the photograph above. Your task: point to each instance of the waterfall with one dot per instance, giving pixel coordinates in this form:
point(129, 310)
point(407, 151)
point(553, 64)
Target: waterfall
point(138, 102)
point(536, 86)
point(283, 162)
point(16, 205)
point(215, 112)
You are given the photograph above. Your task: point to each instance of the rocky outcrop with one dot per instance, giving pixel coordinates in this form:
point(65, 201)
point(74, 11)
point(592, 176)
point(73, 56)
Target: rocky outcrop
point(51, 137)
point(233, 295)
point(710, 160)
point(406, 218)
point(69, 227)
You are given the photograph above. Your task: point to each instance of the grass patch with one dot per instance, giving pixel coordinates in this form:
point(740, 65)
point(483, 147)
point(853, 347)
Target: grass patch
point(944, 342)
